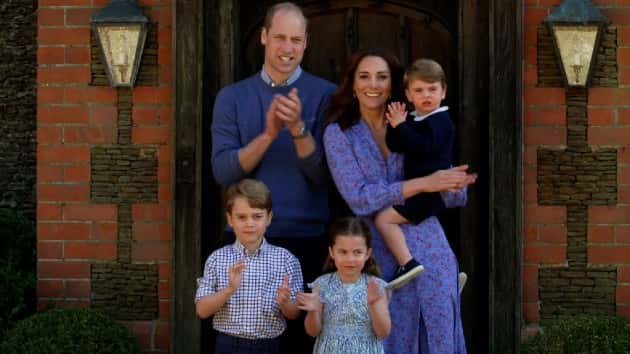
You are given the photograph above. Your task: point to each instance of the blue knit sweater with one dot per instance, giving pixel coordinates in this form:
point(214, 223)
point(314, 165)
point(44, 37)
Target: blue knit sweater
point(299, 190)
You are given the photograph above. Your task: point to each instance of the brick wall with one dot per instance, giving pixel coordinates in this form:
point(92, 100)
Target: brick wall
point(576, 176)
point(104, 173)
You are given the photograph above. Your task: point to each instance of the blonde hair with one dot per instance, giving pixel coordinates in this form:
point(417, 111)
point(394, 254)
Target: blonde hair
point(426, 70)
point(255, 192)
point(347, 227)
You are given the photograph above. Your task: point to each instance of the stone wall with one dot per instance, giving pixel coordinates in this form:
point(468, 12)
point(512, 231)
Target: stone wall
point(18, 72)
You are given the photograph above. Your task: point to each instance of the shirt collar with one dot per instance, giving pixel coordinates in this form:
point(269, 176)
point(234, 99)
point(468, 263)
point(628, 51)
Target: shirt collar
point(242, 250)
point(290, 80)
point(418, 118)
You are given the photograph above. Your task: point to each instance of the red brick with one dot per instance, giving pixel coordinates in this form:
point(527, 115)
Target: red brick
point(553, 116)
point(609, 136)
point(63, 74)
point(49, 134)
point(151, 251)
point(105, 231)
point(150, 135)
point(623, 311)
point(164, 174)
point(165, 56)
point(165, 154)
point(143, 231)
point(102, 94)
point(609, 254)
point(624, 36)
point(601, 214)
point(530, 312)
point(164, 271)
point(90, 250)
point(104, 115)
point(65, 304)
point(162, 336)
point(165, 114)
point(143, 94)
point(531, 55)
point(623, 56)
point(622, 234)
point(50, 55)
point(603, 96)
point(91, 135)
point(50, 17)
point(90, 212)
point(63, 231)
point(531, 232)
point(531, 157)
point(161, 15)
point(145, 114)
point(77, 55)
point(545, 254)
point(531, 76)
point(62, 114)
point(618, 16)
point(531, 193)
point(164, 94)
point(548, 96)
point(77, 289)
point(164, 289)
point(535, 16)
point(624, 76)
point(49, 250)
point(63, 36)
point(80, 173)
point(63, 192)
point(165, 37)
point(165, 74)
point(51, 94)
point(142, 331)
point(64, 2)
point(165, 193)
point(63, 153)
point(553, 234)
point(623, 154)
point(624, 194)
point(48, 212)
point(601, 234)
point(601, 116)
point(530, 283)
point(49, 174)
point(545, 136)
point(49, 288)
point(164, 311)
point(624, 116)
point(623, 274)
point(52, 269)
point(151, 212)
point(623, 294)
point(79, 17)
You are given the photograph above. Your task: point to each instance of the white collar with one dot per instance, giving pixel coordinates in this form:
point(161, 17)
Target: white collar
point(417, 118)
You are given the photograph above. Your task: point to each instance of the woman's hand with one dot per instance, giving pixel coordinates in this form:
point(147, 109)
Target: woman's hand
point(449, 180)
point(396, 113)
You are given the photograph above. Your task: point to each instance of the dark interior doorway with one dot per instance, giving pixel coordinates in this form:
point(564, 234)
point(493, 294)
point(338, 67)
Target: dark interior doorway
point(457, 34)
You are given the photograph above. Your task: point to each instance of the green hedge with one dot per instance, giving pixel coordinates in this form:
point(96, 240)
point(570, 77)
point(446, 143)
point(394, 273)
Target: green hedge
point(17, 267)
point(582, 335)
point(69, 331)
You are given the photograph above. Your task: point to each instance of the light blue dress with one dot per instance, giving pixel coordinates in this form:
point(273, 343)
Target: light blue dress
point(346, 324)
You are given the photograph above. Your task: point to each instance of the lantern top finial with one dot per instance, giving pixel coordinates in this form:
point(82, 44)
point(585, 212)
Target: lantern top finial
point(120, 11)
point(576, 11)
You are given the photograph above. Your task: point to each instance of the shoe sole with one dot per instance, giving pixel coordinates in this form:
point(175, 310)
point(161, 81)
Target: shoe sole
point(462, 278)
point(405, 278)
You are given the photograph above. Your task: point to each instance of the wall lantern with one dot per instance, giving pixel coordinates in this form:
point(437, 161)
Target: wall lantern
point(576, 26)
point(121, 30)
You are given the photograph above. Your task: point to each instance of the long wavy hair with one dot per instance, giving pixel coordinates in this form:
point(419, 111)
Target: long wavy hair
point(344, 107)
point(351, 227)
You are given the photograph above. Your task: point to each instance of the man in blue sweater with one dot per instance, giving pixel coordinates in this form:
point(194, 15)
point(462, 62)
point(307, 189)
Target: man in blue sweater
point(269, 127)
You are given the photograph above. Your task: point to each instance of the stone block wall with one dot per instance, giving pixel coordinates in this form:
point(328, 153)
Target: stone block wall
point(104, 173)
point(576, 175)
point(18, 103)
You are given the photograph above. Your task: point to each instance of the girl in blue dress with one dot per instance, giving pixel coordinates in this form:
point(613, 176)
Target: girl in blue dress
point(347, 309)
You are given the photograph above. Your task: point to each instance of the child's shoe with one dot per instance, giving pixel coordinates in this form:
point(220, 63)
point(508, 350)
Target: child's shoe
point(462, 281)
point(405, 273)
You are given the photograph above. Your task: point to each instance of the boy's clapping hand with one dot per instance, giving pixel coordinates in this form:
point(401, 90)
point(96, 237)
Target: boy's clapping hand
point(235, 275)
point(283, 294)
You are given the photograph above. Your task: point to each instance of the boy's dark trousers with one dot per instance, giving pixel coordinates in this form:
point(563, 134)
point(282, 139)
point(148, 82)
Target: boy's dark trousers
point(227, 344)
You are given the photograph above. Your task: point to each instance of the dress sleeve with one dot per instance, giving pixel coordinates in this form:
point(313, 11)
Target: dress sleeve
point(364, 197)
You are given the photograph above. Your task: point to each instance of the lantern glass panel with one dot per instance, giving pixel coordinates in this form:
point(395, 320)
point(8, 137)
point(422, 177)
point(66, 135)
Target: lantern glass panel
point(120, 47)
point(576, 45)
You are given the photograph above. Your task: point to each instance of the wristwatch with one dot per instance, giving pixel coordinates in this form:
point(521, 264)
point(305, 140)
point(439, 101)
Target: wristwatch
point(303, 133)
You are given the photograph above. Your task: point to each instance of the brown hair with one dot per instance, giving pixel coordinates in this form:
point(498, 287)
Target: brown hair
point(344, 107)
point(283, 6)
point(256, 193)
point(352, 226)
point(426, 70)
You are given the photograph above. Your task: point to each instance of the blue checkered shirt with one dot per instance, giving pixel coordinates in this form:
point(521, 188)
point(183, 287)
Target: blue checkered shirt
point(252, 311)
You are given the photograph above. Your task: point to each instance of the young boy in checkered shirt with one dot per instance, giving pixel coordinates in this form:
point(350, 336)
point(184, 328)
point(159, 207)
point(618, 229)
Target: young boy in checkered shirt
point(250, 285)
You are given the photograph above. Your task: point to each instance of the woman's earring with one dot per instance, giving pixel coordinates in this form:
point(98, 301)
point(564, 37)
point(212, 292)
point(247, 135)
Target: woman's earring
point(354, 94)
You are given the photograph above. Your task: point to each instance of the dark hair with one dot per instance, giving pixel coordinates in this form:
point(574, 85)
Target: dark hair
point(344, 108)
point(352, 226)
point(426, 70)
point(256, 193)
point(283, 6)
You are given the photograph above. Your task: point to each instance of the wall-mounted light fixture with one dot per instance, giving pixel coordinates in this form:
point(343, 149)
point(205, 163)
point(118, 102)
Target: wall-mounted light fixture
point(576, 26)
point(121, 30)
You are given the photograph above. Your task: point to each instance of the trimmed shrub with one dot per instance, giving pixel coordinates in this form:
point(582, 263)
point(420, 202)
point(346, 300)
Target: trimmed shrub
point(71, 331)
point(581, 335)
point(17, 267)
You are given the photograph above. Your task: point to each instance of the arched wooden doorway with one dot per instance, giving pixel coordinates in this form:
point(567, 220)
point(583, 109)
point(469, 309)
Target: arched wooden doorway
point(224, 47)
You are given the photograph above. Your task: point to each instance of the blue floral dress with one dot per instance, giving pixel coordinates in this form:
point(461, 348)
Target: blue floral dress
point(425, 312)
point(346, 324)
